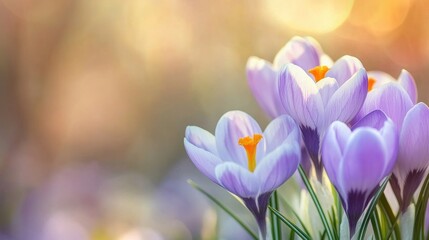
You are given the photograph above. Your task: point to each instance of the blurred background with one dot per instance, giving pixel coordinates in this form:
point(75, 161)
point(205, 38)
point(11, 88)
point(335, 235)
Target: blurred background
point(95, 97)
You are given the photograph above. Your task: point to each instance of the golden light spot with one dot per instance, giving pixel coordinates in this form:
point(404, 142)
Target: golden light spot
point(318, 72)
point(249, 143)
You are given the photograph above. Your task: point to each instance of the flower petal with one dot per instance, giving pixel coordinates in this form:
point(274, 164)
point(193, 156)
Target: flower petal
point(391, 99)
point(204, 160)
point(327, 87)
point(344, 68)
point(279, 130)
point(300, 51)
point(278, 166)
point(300, 96)
point(262, 79)
point(390, 136)
point(237, 179)
point(332, 149)
point(414, 139)
point(231, 127)
point(408, 83)
point(374, 119)
point(201, 139)
point(364, 161)
point(348, 99)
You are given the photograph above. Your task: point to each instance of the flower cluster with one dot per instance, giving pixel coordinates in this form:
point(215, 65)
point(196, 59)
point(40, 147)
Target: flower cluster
point(360, 128)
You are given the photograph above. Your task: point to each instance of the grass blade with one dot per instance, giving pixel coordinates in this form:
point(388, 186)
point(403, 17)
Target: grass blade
point(198, 188)
point(291, 225)
point(376, 226)
point(287, 205)
point(371, 207)
point(310, 189)
point(418, 230)
point(392, 220)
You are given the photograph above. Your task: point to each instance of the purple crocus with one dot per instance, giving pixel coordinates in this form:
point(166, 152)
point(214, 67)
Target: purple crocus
point(396, 99)
point(405, 80)
point(358, 159)
point(330, 94)
point(244, 160)
point(262, 75)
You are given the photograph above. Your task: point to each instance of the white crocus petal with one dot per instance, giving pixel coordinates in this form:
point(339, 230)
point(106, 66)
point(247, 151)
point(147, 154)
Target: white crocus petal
point(237, 179)
point(201, 138)
point(380, 78)
point(262, 82)
point(280, 129)
point(204, 160)
point(346, 102)
point(327, 87)
point(300, 96)
point(407, 82)
point(344, 68)
point(278, 166)
point(231, 127)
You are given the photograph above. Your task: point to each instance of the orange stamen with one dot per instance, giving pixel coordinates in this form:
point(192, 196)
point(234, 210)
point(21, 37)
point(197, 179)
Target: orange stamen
point(249, 144)
point(371, 82)
point(318, 72)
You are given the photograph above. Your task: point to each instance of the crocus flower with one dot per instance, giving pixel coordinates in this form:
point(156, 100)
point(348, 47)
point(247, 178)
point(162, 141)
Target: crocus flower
point(358, 159)
point(315, 102)
point(412, 121)
point(405, 80)
point(244, 160)
point(262, 75)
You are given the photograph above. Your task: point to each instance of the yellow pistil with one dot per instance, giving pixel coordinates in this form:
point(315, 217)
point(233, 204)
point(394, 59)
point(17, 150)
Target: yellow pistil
point(249, 144)
point(318, 72)
point(371, 82)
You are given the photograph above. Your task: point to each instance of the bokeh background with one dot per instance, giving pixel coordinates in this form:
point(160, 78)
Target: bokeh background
point(95, 97)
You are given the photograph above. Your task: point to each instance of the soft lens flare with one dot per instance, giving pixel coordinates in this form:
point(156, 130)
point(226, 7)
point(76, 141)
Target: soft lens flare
point(249, 144)
point(318, 72)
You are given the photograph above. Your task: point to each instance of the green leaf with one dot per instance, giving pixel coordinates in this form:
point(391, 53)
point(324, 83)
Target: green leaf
point(390, 217)
point(291, 225)
point(229, 212)
point(295, 214)
point(371, 207)
point(376, 226)
point(319, 208)
point(418, 230)
point(276, 231)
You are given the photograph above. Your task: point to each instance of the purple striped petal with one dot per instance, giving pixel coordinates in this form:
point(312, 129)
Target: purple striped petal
point(344, 68)
point(300, 96)
point(201, 139)
point(374, 119)
point(278, 166)
point(299, 51)
point(364, 161)
point(237, 179)
point(204, 160)
point(414, 140)
point(407, 82)
point(390, 136)
point(327, 87)
point(348, 99)
point(391, 99)
point(231, 127)
point(262, 79)
point(279, 130)
point(332, 149)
